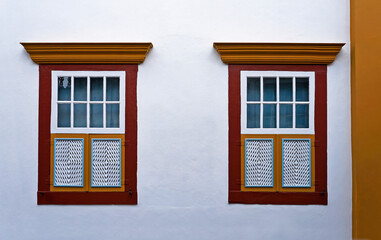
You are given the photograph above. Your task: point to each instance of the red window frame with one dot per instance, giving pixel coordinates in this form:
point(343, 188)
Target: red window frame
point(320, 195)
point(44, 195)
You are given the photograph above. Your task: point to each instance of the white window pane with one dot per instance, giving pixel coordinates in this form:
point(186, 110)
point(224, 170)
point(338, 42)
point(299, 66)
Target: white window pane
point(80, 115)
point(302, 93)
point(96, 89)
point(269, 115)
point(302, 118)
point(253, 115)
point(96, 115)
point(285, 89)
point(269, 89)
point(64, 88)
point(253, 89)
point(112, 115)
point(285, 115)
point(112, 89)
point(80, 89)
point(63, 115)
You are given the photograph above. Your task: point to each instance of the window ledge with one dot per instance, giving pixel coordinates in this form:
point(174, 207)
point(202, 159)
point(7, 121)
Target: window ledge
point(87, 53)
point(278, 53)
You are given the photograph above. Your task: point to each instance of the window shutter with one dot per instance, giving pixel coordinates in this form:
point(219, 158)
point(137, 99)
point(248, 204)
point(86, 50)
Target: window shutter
point(106, 162)
point(68, 162)
point(296, 163)
point(259, 162)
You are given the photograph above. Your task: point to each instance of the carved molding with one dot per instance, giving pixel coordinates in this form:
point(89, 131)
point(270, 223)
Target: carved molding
point(278, 53)
point(87, 53)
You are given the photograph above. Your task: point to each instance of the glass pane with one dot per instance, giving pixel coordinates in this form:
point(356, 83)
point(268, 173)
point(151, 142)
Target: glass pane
point(253, 89)
point(80, 115)
point(253, 115)
point(80, 89)
point(285, 89)
point(302, 118)
point(269, 89)
point(112, 89)
point(96, 115)
point(269, 115)
point(64, 88)
point(285, 115)
point(302, 89)
point(96, 89)
point(63, 115)
point(112, 115)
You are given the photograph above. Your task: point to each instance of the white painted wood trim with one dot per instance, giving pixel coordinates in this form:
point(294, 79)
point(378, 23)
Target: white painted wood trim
point(88, 74)
point(277, 130)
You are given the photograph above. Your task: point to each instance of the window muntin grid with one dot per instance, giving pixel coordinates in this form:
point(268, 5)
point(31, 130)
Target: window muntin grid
point(101, 104)
point(263, 104)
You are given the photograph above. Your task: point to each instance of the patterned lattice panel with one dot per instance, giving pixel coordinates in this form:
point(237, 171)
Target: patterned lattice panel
point(259, 163)
point(296, 163)
point(105, 163)
point(68, 162)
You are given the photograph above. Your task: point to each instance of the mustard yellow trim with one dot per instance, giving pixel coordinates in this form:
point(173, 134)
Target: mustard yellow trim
point(278, 53)
point(87, 53)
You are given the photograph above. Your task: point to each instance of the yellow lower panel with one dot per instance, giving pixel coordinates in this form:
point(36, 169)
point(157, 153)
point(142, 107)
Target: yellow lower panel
point(277, 162)
point(87, 163)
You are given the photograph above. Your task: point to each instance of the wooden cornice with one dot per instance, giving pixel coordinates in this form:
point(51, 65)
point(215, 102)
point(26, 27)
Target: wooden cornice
point(87, 53)
point(278, 53)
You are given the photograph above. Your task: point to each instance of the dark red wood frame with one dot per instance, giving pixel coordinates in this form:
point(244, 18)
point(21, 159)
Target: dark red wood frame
point(320, 196)
point(44, 195)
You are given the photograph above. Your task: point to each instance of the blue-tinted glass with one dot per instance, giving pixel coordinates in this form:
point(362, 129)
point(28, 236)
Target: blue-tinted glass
point(269, 115)
point(253, 115)
point(112, 115)
point(253, 89)
point(302, 93)
point(285, 89)
point(285, 115)
point(64, 88)
point(302, 118)
point(80, 89)
point(80, 115)
point(269, 89)
point(96, 115)
point(112, 89)
point(96, 89)
point(63, 115)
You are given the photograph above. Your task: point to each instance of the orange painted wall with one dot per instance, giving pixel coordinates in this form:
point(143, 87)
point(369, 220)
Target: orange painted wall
point(366, 117)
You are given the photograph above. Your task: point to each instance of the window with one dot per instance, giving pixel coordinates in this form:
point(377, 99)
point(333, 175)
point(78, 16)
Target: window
point(277, 121)
point(87, 131)
point(277, 102)
point(87, 150)
point(88, 102)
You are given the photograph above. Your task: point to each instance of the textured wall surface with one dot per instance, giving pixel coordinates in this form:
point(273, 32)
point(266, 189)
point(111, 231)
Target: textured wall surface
point(182, 118)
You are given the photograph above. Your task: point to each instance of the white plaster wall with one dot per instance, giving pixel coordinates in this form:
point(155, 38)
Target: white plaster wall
point(182, 118)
